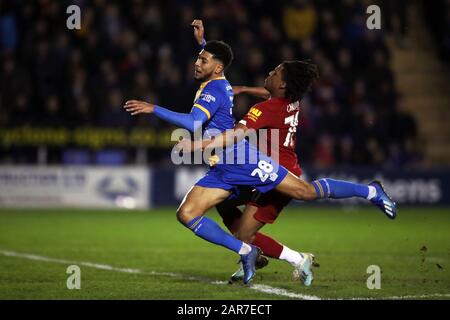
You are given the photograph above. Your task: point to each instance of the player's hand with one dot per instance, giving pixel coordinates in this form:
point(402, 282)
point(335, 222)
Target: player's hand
point(136, 107)
point(213, 160)
point(199, 30)
point(238, 90)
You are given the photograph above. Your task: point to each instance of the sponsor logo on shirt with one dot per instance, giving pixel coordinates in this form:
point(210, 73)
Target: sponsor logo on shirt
point(254, 114)
point(294, 106)
point(207, 97)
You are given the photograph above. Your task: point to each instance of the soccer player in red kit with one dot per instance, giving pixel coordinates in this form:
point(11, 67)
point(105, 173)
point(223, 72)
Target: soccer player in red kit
point(287, 84)
point(284, 88)
point(275, 113)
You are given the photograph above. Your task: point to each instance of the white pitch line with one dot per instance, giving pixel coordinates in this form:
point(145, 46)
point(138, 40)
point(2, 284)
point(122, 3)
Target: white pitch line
point(423, 296)
point(282, 292)
point(257, 287)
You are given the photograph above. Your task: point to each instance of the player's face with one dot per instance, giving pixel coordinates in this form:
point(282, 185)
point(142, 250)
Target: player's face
point(274, 80)
point(204, 66)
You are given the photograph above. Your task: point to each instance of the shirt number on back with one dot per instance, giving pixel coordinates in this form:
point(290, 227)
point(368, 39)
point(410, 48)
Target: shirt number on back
point(293, 122)
point(264, 171)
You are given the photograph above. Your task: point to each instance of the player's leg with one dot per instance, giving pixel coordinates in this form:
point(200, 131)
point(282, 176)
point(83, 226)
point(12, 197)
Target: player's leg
point(253, 219)
point(274, 176)
point(248, 226)
point(337, 189)
point(229, 211)
point(263, 209)
point(269, 206)
point(268, 213)
point(247, 230)
point(296, 188)
point(191, 214)
point(231, 216)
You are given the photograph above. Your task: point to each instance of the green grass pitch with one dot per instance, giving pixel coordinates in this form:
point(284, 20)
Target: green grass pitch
point(412, 251)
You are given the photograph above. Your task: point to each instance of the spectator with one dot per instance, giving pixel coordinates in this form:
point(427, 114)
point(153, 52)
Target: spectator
point(112, 114)
point(52, 115)
point(299, 20)
point(145, 50)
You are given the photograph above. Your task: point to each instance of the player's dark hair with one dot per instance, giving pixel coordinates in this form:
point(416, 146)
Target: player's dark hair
point(299, 77)
point(220, 51)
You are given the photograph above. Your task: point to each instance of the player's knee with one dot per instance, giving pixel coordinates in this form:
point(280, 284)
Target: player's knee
point(185, 214)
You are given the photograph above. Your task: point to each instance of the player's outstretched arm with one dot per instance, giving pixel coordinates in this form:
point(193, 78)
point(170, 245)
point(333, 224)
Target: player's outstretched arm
point(135, 107)
point(227, 138)
point(190, 121)
point(199, 32)
point(259, 92)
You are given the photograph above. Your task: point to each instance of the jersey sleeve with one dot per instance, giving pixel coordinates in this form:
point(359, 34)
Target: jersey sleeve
point(209, 100)
point(259, 116)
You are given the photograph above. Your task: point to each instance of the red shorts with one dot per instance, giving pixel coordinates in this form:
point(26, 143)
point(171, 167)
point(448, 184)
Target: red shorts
point(269, 205)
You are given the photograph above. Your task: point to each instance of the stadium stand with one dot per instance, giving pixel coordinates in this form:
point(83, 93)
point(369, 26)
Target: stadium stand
point(66, 80)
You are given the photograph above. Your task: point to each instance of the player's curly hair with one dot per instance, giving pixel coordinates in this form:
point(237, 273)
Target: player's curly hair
point(220, 51)
point(299, 77)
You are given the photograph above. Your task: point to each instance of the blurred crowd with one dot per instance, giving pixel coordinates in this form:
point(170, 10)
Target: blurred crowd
point(437, 18)
point(55, 77)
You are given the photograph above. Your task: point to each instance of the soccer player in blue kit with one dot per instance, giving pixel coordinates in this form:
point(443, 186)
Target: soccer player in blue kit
point(212, 111)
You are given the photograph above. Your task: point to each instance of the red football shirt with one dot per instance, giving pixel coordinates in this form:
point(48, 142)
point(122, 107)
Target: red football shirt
point(277, 114)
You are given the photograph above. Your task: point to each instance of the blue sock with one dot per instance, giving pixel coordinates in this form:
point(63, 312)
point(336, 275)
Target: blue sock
point(210, 231)
point(338, 189)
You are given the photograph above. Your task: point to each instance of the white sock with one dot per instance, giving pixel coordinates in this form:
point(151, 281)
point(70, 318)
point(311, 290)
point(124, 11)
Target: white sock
point(372, 192)
point(291, 256)
point(245, 248)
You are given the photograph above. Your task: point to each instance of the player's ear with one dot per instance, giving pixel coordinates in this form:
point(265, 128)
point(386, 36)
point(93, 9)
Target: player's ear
point(219, 68)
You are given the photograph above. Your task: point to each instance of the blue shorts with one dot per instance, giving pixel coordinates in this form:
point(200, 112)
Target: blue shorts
point(258, 170)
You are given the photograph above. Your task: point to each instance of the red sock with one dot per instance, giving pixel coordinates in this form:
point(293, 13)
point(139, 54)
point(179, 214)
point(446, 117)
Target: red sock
point(269, 246)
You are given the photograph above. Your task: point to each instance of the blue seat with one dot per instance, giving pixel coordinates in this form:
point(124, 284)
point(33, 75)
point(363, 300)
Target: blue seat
point(76, 157)
point(110, 157)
